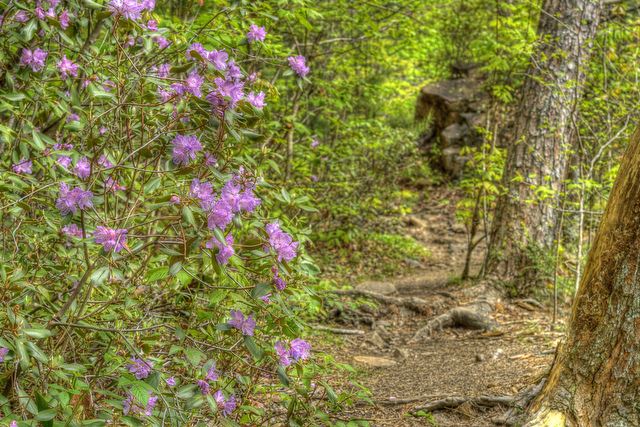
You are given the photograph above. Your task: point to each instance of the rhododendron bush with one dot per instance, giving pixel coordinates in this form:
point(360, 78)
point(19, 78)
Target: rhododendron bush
point(148, 270)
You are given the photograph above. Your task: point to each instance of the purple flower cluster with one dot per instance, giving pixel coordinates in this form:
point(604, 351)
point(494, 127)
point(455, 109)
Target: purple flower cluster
point(129, 405)
point(130, 9)
point(110, 239)
point(298, 64)
point(245, 325)
point(70, 200)
point(227, 406)
point(72, 230)
point(82, 168)
point(3, 353)
point(67, 68)
point(140, 368)
point(185, 149)
point(191, 85)
point(277, 280)
point(225, 250)
point(298, 349)
point(281, 242)
point(24, 166)
point(256, 33)
point(34, 59)
point(257, 100)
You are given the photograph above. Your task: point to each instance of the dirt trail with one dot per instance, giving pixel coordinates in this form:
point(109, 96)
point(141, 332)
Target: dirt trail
point(454, 361)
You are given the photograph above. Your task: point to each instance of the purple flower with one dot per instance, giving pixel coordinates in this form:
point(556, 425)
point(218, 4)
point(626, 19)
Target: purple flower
point(111, 239)
point(199, 49)
point(73, 117)
point(24, 166)
point(245, 325)
point(69, 201)
point(64, 19)
point(161, 42)
point(104, 162)
point(129, 9)
point(229, 89)
point(233, 71)
point(203, 191)
point(185, 148)
point(35, 59)
point(315, 142)
point(277, 280)
point(283, 353)
point(39, 12)
point(64, 161)
point(21, 16)
point(103, 130)
point(281, 242)
point(3, 353)
point(212, 373)
point(256, 99)
point(266, 298)
point(175, 200)
point(225, 250)
point(210, 160)
point(82, 168)
point(67, 68)
point(164, 70)
point(220, 215)
point(298, 64)
point(300, 349)
point(72, 230)
point(14, 423)
point(151, 403)
point(152, 25)
point(226, 405)
point(111, 184)
point(256, 33)
point(192, 84)
point(205, 388)
point(219, 59)
point(139, 367)
point(171, 381)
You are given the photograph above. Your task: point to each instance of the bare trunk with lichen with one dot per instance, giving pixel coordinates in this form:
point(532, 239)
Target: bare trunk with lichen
point(595, 378)
point(525, 219)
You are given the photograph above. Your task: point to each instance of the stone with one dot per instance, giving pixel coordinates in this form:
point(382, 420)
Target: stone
point(384, 288)
point(452, 162)
point(401, 353)
point(454, 134)
point(375, 361)
point(375, 340)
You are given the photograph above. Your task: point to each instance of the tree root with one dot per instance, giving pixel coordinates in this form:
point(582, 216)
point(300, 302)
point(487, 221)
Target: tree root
point(454, 402)
point(520, 402)
point(412, 303)
point(472, 316)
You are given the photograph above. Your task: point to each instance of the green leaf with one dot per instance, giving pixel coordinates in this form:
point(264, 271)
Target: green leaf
point(157, 274)
point(261, 289)
point(37, 333)
point(46, 415)
point(253, 348)
point(282, 375)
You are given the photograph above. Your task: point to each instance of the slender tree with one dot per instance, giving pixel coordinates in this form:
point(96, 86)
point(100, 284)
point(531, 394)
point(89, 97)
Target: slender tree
point(524, 223)
point(595, 376)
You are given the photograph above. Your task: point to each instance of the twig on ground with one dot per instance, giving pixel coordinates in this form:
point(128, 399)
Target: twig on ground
point(413, 303)
point(454, 402)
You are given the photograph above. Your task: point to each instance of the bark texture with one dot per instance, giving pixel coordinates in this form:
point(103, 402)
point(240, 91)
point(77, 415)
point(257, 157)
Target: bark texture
point(595, 378)
point(526, 216)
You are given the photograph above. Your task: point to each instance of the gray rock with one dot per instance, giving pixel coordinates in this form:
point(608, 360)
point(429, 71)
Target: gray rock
point(384, 288)
point(401, 353)
point(375, 340)
point(454, 134)
point(375, 361)
point(452, 162)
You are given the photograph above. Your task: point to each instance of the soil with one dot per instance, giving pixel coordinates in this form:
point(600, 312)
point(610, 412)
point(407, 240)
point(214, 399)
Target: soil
point(453, 361)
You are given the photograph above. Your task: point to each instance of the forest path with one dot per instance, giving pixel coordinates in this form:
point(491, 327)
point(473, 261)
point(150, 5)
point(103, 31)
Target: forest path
point(453, 361)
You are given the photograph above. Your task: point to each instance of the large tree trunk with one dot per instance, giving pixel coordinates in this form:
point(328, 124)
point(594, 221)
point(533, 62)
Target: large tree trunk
point(525, 219)
point(595, 379)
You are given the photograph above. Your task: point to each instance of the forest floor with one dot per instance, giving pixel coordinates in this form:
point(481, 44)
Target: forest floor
point(452, 361)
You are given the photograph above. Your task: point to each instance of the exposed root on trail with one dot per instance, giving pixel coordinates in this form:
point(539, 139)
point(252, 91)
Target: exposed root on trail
point(454, 402)
point(472, 316)
point(339, 331)
point(412, 303)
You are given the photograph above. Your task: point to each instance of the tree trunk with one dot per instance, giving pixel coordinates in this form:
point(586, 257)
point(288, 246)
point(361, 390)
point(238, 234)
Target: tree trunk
point(595, 379)
point(525, 218)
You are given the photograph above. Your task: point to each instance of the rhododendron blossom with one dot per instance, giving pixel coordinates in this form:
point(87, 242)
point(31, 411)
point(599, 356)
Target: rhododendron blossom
point(256, 33)
point(281, 242)
point(34, 59)
point(185, 148)
point(24, 166)
point(110, 239)
point(245, 325)
point(140, 368)
point(67, 68)
point(71, 200)
point(299, 65)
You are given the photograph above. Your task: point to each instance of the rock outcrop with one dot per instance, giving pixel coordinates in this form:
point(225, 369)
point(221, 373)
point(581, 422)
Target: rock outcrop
point(454, 109)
